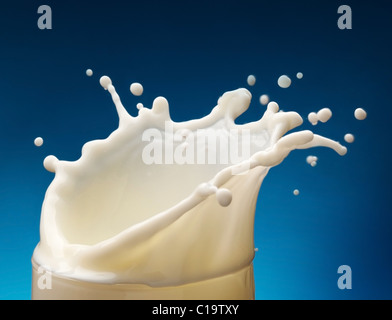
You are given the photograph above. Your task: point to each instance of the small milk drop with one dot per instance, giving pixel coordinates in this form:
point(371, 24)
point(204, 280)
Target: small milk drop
point(251, 80)
point(105, 82)
point(360, 114)
point(284, 82)
point(349, 138)
point(38, 141)
point(296, 192)
point(139, 106)
point(224, 197)
point(312, 117)
point(311, 159)
point(136, 89)
point(89, 72)
point(300, 75)
point(264, 99)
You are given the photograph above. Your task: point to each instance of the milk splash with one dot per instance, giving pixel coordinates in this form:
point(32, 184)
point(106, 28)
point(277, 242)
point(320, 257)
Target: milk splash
point(110, 217)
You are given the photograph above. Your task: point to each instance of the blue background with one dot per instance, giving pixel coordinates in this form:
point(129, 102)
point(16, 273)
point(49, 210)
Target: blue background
point(191, 52)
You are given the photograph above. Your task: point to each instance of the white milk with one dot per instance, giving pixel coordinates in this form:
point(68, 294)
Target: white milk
point(284, 82)
point(360, 114)
point(38, 141)
point(110, 218)
point(251, 80)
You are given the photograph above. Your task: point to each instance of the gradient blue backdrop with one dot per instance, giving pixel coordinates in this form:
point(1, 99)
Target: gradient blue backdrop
point(191, 52)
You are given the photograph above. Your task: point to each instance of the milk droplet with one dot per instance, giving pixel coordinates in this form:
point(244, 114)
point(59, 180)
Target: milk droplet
point(136, 89)
point(300, 75)
point(311, 159)
point(314, 163)
point(349, 138)
point(139, 106)
point(256, 249)
point(284, 82)
point(251, 80)
point(89, 72)
point(38, 141)
point(264, 99)
point(105, 82)
point(312, 117)
point(324, 115)
point(360, 114)
point(50, 163)
point(296, 192)
point(224, 197)
point(273, 107)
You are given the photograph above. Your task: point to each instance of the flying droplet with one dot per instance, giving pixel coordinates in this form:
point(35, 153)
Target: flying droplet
point(251, 80)
point(89, 72)
point(284, 82)
point(360, 114)
point(264, 99)
point(312, 117)
point(324, 115)
point(312, 160)
point(38, 141)
point(296, 192)
point(136, 89)
point(300, 75)
point(349, 138)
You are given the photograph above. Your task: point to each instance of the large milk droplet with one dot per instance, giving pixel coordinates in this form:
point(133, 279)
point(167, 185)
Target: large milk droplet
point(105, 82)
point(224, 197)
point(264, 99)
point(251, 80)
point(284, 82)
point(89, 72)
point(38, 141)
point(50, 163)
point(360, 114)
point(349, 138)
point(136, 89)
point(324, 115)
